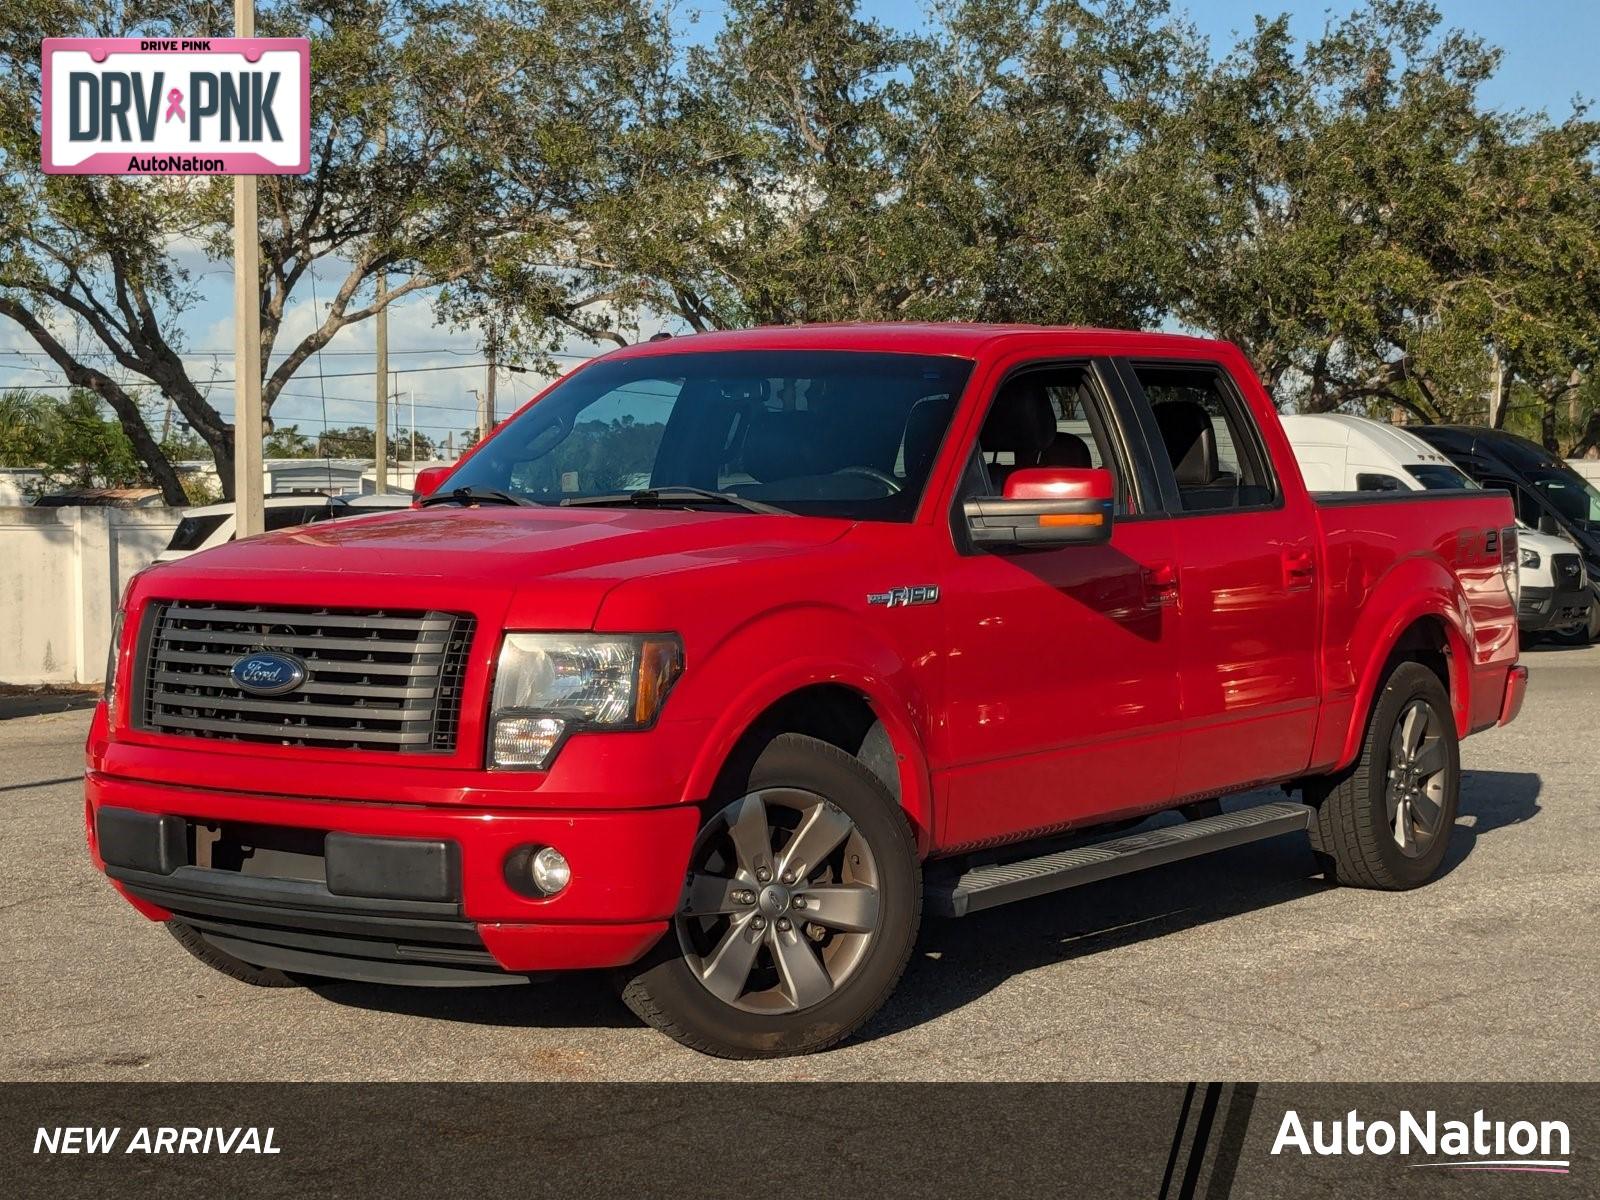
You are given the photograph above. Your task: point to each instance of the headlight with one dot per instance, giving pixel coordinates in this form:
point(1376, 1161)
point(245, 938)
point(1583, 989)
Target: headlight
point(1530, 557)
point(548, 685)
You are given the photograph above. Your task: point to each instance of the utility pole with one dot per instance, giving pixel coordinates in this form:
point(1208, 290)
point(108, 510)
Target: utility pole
point(248, 471)
point(380, 427)
point(488, 394)
point(411, 398)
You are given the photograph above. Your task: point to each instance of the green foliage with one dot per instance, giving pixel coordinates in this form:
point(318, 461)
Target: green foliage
point(454, 146)
point(69, 440)
point(75, 444)
point(1347, 209)
point(360, 441)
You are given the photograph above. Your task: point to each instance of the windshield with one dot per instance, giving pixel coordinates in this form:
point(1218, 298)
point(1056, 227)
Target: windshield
point(1436, 477)
point(824, 433)
point(1573, 496)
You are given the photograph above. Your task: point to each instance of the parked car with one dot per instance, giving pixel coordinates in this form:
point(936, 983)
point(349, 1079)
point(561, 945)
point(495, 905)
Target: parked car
point(882, 628)
point(1549, 495)
point(1340, 452)
point(214, 525)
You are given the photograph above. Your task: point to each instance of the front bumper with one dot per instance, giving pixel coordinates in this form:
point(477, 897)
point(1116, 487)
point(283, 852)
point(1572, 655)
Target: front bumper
point(395, 893)
point(1542, 609)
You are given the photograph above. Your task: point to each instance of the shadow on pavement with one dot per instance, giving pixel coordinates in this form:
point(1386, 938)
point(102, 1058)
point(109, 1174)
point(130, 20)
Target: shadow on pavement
point(569, 1000)
point(956, 962)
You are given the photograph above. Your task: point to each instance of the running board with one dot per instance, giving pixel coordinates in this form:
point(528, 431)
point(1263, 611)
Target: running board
point(1001, 883)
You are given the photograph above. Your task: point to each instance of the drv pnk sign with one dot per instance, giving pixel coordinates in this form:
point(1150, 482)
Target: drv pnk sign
point(177, 106)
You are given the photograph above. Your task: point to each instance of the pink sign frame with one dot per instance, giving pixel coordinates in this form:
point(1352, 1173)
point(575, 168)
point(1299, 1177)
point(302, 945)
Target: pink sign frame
point(234, 162)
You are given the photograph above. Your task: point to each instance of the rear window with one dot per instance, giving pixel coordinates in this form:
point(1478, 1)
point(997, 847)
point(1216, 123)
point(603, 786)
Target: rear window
point(192, 532)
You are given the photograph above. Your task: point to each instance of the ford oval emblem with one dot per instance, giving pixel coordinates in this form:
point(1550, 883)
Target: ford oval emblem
point(268, 673)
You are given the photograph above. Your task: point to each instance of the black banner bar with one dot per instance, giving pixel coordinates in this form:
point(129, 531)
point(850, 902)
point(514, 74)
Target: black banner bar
point(593, 1141)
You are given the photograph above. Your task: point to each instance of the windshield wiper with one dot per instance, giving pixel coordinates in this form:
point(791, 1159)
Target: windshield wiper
point(473, 495)
point(675, 493)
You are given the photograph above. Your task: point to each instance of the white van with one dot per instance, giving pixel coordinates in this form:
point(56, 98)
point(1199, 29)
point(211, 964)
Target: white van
point(1342, 453)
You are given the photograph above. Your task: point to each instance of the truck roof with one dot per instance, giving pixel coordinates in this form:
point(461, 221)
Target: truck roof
point(959, 339)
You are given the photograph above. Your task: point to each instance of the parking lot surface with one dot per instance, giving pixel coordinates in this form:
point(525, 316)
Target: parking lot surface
point(1243, 965)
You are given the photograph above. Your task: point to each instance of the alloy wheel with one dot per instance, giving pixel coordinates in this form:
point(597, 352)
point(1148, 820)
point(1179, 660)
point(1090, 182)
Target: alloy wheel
point(1418, 766)
point(781, 903)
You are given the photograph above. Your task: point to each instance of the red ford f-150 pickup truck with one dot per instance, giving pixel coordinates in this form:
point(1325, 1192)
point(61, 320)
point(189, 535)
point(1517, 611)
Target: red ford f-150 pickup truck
point(731, 655)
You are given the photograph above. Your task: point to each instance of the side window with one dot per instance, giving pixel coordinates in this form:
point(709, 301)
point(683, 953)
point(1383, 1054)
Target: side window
point(1376, 481)
point(1211, 442)
point(1050, 417)
point(287, 516)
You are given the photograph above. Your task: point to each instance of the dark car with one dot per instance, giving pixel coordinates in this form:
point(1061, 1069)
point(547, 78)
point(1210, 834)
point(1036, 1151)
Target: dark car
point(1549, 495)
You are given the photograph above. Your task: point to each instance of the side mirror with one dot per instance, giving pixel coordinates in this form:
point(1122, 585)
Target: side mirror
point(1548, 524)
point(428, 480)
point(1045, 506)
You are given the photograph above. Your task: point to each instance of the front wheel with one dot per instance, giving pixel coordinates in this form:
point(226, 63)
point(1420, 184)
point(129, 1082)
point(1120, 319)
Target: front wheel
point(1581, 634)
point(799, 912)
point(1386, 822)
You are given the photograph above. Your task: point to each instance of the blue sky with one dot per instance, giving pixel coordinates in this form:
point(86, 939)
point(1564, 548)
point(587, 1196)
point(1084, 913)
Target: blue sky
point(1549, 54)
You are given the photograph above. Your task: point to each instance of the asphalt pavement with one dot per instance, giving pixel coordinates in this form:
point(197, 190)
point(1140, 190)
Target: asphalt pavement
point(1243, 965)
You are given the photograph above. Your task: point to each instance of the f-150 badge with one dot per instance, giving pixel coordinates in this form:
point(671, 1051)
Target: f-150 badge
point(904, 597)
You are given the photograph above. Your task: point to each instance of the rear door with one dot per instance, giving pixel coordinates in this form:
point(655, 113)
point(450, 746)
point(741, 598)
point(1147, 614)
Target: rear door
point(1062, 662)
point(1246, 557)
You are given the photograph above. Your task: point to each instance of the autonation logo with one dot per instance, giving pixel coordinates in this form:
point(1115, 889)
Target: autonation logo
point(1476, 1145)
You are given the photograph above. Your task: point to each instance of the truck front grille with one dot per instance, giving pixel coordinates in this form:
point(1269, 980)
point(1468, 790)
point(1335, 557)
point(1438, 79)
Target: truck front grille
point(1568, 570)
point(376, 679)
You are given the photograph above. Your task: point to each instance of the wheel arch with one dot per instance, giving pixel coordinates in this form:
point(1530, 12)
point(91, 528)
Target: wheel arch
point(1428, 633)
point(839, 696)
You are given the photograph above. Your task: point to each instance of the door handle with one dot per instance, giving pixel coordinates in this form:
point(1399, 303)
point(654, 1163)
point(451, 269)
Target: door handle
point(1299, 570)
point(1161, 585)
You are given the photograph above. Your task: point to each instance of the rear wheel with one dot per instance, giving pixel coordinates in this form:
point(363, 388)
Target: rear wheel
point(191, 940)
point(801, 906)
point(1386, 822)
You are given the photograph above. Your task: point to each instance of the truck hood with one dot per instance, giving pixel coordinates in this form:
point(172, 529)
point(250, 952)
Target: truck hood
point(552, 566)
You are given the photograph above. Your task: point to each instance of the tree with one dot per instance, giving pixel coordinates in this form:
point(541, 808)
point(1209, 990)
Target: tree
point(812, 165)
point(1372, 235)
point(69, 439)
point(286, 441)
point(359, 441)
point(453, 148)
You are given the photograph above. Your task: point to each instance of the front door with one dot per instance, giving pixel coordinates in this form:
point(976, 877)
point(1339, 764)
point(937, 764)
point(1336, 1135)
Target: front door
point(1062, 675)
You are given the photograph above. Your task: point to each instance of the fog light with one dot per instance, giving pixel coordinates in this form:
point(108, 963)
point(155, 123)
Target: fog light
point(550, 871)
point(526, 741)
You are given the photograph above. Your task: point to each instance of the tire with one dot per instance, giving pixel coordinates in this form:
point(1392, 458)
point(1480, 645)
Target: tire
point(695, 986)
point(235, 968)
point(1358, 839)
point(1580, 635)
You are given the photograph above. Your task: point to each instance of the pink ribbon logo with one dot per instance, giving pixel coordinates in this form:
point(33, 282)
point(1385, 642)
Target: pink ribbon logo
point(175, 105)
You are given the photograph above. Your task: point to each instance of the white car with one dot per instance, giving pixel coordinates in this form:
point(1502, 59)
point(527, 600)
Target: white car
point(1342, 453)
point(213, 524)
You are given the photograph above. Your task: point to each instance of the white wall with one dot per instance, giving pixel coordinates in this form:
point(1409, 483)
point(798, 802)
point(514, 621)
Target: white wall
point(1589, 468)
point(62, 571)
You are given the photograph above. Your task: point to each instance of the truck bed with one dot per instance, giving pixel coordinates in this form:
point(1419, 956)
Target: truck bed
point(1384, 555)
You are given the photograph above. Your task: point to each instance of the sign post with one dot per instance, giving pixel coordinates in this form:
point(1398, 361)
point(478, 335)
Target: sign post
point(249, 471)
point(236, 106)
